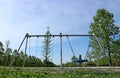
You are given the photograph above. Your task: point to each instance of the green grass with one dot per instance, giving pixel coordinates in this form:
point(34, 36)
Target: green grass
point(59, 73)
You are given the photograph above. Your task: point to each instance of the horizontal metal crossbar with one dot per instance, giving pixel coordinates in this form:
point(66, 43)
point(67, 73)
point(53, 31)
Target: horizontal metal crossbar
point(65, 35)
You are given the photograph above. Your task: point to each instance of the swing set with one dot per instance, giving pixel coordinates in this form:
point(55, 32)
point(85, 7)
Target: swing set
point(36, 49)
point(27, 39)
point(74, 56)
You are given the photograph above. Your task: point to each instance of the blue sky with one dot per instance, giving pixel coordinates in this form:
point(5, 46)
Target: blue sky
point(18, 17)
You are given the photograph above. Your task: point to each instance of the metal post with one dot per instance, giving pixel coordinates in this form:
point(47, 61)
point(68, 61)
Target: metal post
point(25, 50)
point(61, 49)
point(13, 61)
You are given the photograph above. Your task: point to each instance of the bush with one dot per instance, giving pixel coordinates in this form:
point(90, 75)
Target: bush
point(90, 64)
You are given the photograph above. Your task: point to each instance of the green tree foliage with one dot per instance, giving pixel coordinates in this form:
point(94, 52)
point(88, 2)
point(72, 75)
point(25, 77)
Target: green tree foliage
point(69, 64)
point(104, 29)
point(1, 48)
point(7, 56)
point(116, 50)
point(1, 53)
point(47, 46)
point(74, 58)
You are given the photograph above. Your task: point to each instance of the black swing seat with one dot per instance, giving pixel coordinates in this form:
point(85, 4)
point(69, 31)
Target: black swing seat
point(80, 61)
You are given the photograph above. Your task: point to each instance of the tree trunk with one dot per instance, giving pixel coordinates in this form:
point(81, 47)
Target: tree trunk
point(109, 54)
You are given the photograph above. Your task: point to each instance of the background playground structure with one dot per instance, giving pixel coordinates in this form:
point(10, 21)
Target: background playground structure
point(69, 55)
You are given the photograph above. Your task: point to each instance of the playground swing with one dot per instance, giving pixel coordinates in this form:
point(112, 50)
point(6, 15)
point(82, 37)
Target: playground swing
point(52, 48)
point(74, 58)
point(36, 49)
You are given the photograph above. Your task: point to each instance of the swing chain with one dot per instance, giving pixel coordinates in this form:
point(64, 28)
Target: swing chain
point(71, 46)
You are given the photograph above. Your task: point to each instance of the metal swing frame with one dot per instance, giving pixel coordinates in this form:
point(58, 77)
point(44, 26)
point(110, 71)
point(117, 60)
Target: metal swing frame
point(36, 49)
point(76, 60)
point(60, 36)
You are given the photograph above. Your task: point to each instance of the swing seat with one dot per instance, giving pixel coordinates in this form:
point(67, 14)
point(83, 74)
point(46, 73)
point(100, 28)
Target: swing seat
point(80, 61)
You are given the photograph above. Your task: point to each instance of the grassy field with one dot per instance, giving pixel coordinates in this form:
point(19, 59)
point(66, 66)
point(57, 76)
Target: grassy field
point(74, 72)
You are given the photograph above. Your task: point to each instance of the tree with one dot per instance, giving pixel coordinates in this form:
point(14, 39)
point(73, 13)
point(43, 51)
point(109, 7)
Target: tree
point(104, 29)
point(14, 57)
point(47, 46)
point(116, 50)
point(74, 58)
point(8, 51)
point(1, 53)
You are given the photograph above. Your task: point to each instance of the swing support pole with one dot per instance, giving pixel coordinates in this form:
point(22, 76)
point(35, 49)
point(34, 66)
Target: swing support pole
point(25, 50)
point(13, 61)
point(61, 49)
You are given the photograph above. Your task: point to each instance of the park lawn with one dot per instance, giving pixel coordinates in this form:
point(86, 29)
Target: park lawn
point(30, 72)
